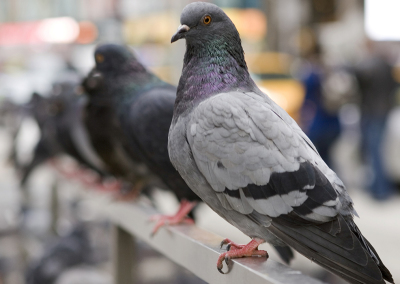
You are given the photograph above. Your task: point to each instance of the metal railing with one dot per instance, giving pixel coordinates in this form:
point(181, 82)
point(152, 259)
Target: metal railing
point(193, 248)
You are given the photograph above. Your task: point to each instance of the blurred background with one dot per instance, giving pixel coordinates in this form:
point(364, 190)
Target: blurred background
point(334, 65)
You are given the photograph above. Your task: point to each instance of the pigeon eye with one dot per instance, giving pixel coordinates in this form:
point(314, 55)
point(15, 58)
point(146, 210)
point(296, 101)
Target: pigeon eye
point(207, 20)
point(99, 58)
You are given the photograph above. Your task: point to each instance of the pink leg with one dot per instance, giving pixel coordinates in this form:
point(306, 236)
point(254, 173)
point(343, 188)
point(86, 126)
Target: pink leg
point(179, 218)
point(238, 251)
point(86, 177)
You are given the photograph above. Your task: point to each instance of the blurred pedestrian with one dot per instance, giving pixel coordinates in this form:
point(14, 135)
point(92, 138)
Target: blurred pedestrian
point(320, 123)
point(377, 95)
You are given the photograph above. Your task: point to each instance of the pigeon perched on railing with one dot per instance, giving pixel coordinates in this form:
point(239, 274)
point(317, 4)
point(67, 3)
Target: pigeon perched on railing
point(137, 112)
point(103, 128)
point(251, 163)
point(59, 117)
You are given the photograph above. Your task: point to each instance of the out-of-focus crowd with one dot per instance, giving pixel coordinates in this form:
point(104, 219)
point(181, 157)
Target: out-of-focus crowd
point(362, 98)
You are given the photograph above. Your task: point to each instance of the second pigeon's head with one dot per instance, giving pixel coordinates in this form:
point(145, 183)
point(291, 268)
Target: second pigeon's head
point(114, 58)
point(202, 22)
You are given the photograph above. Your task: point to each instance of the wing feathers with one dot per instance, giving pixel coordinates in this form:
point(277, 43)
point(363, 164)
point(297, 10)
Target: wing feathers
point(347, 258)
point(306, 191)
point(223, 200)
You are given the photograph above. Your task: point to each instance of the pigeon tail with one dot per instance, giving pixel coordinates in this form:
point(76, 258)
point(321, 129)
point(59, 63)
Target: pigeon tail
point(286, 253)
point(345, 253)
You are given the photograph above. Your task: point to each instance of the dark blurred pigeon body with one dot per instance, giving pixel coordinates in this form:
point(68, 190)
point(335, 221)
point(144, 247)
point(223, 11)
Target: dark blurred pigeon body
point(134, 110)
point(250, 161)
point(12, 116)
point(71, 132)
point(62, 131)
point(67, 252)
point(104, 129)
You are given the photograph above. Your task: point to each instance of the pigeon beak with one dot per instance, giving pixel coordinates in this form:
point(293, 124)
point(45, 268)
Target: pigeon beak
point(180, 33)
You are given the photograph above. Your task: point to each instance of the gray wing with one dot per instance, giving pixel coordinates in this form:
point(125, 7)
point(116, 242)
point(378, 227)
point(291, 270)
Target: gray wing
point(260, 164)
point(256, 160)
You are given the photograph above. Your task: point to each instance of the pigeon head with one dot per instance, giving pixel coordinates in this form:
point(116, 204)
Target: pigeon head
point(115, 58)
point(214, 60)
point(202, 23)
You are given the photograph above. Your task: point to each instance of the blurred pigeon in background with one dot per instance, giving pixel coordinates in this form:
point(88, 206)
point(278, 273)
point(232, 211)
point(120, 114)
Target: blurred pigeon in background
point(60, 121)
point(69, 251)
point(105, 132)
point(71, 131)
point(47, 146)
point(12, 116)
point(250, 161)
point(134, 108)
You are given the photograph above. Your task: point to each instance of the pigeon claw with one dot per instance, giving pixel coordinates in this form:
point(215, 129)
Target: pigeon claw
point(230, 245)
point(220, 266)
point(227, 259)
point(224, 242)
point(179, 218)
point(170, 220)
point(238, 251)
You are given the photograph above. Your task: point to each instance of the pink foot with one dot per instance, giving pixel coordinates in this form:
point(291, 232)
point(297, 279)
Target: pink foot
point(179, 218)
point(238, 251)
point(86, 177)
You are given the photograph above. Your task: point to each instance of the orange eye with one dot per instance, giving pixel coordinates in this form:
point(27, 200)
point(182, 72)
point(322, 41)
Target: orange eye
point(207, 20)
point(99, 58)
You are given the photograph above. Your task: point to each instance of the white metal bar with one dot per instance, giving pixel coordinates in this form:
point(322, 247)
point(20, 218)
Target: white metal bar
point(197, 250)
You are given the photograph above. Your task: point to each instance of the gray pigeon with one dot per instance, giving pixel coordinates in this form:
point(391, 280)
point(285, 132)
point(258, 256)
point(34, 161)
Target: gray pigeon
point(251, 163)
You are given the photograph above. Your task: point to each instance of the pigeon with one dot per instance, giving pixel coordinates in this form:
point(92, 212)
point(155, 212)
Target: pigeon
point(12, 116)
point(132, 110)
point(252, 164)
point(47, 147)
point(68, 108)
point(59, 117)
point(105, 132)
point(144, 106)
point(69, 251)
